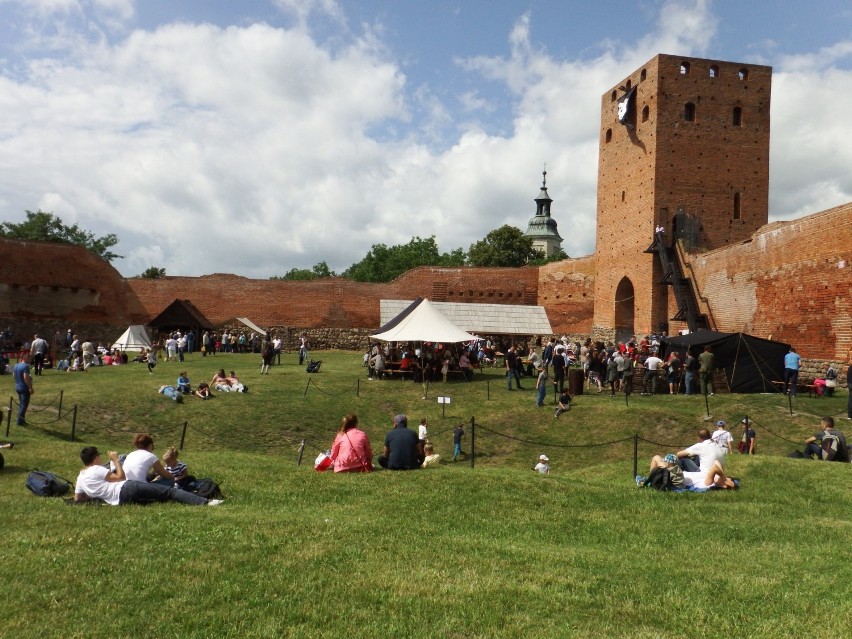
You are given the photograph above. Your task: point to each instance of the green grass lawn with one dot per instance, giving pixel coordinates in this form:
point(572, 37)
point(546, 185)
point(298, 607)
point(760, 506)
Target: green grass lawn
point(490, 551)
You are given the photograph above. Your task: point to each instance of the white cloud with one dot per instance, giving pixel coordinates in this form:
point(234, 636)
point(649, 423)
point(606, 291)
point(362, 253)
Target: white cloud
point(255, 149)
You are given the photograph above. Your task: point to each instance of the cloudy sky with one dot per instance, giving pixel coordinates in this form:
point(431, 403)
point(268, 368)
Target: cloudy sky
point(255, 136)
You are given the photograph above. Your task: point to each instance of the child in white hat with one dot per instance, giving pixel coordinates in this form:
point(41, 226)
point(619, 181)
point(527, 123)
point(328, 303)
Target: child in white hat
point(542, 465)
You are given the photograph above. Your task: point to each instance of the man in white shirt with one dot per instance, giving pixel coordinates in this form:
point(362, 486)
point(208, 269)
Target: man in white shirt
point(38, 349)
point(706, 449)
point(652, 366)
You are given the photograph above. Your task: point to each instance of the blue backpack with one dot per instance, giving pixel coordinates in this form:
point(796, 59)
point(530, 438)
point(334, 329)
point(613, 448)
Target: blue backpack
point(45, 484)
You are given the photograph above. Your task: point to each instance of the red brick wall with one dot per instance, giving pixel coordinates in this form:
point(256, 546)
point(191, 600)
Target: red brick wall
point(566, 289)
point(335, 302)
point(45, 281)
point(791, 281)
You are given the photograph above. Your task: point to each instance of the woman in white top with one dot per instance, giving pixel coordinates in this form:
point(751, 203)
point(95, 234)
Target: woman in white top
point(142, 461)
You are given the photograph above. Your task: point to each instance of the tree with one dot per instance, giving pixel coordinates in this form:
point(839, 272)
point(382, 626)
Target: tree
point(319, 270)
point(46, 227)
point(153, 273)
point(506, 246)
point(384, 263)
point(557, 256)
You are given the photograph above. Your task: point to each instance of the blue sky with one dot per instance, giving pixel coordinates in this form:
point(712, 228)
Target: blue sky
point(256, 136)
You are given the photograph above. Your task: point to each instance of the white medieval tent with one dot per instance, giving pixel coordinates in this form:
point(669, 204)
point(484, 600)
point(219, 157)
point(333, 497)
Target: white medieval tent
point(422, 322)
point(133, 338)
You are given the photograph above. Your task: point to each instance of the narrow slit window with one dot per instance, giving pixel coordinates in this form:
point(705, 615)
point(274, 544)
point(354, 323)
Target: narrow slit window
point(737, 119)
point(737, 211)
point(689, 112)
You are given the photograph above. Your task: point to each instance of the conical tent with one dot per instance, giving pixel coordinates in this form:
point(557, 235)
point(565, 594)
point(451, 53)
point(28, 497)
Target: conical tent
point(133, 338)
point(422, 323)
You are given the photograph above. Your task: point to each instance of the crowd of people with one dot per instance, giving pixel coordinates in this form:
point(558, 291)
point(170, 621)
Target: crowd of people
point(403, 448)
point(139, 477)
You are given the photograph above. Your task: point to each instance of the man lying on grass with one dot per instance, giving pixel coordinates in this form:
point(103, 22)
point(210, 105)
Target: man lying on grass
point(96, 481)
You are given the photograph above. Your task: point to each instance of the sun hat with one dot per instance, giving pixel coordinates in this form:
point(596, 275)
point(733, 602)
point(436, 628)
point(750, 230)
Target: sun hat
point(721, 422)
point(543, 458)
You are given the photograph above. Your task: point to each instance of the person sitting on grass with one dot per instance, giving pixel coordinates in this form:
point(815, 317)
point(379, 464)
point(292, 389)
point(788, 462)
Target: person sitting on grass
point(203, 391)
point(402, 450)
point(351, 451)
point(97, 482)
point(178, 469)
point(183, 384)
point(142, 463)
point(707, 451)
point(564, 403)
point(543, 465)
point(236, 385)
point(222, 383)
point(432, 459)
point(827, 445)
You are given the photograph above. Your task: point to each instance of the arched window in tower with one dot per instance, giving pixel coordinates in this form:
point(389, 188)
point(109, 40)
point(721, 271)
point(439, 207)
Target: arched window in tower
point(742, 74)
point(627, 85)
point(643, 75)
point(714, 71)
point(613, 96)
point(608, 136)
point(645, 111)
point(737, 200)
point(737, 119)
point(684, 68)
point(689, 112)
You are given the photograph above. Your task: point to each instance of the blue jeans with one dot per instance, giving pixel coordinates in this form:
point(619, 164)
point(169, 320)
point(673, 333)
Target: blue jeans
point(542, 391)
point(141, 492)
point(689, 382)
point(23, 404)
point(509, 376)
point(687, 465)
point(456, 451)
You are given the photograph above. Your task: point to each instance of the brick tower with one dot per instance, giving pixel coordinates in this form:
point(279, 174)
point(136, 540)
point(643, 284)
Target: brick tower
point(684, 145)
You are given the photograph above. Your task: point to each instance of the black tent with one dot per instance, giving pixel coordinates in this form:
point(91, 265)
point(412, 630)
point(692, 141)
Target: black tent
point(751, 363)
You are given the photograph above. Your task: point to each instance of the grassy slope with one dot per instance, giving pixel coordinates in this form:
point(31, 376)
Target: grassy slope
point(493, 551)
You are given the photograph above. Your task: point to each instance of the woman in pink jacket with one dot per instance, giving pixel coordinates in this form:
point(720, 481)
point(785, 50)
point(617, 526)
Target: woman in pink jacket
point(351, 452)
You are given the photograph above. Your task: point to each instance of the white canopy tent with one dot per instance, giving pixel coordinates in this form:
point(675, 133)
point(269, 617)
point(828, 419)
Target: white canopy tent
point(423, 323)
point(135, 337)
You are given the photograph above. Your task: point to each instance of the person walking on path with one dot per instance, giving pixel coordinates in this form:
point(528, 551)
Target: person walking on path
point(24, 387)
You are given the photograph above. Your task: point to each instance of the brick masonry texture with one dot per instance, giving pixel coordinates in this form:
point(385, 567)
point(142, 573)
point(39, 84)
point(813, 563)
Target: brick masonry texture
point(663, 165)
point(791, 281)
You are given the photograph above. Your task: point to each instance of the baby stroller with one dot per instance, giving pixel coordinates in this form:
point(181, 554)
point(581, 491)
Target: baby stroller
point(313, 366)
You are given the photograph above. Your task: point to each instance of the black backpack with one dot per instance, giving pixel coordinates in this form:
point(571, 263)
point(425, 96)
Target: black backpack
point(660, 479)
point(313, 366)
point(45, 484)
point(206, 487)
